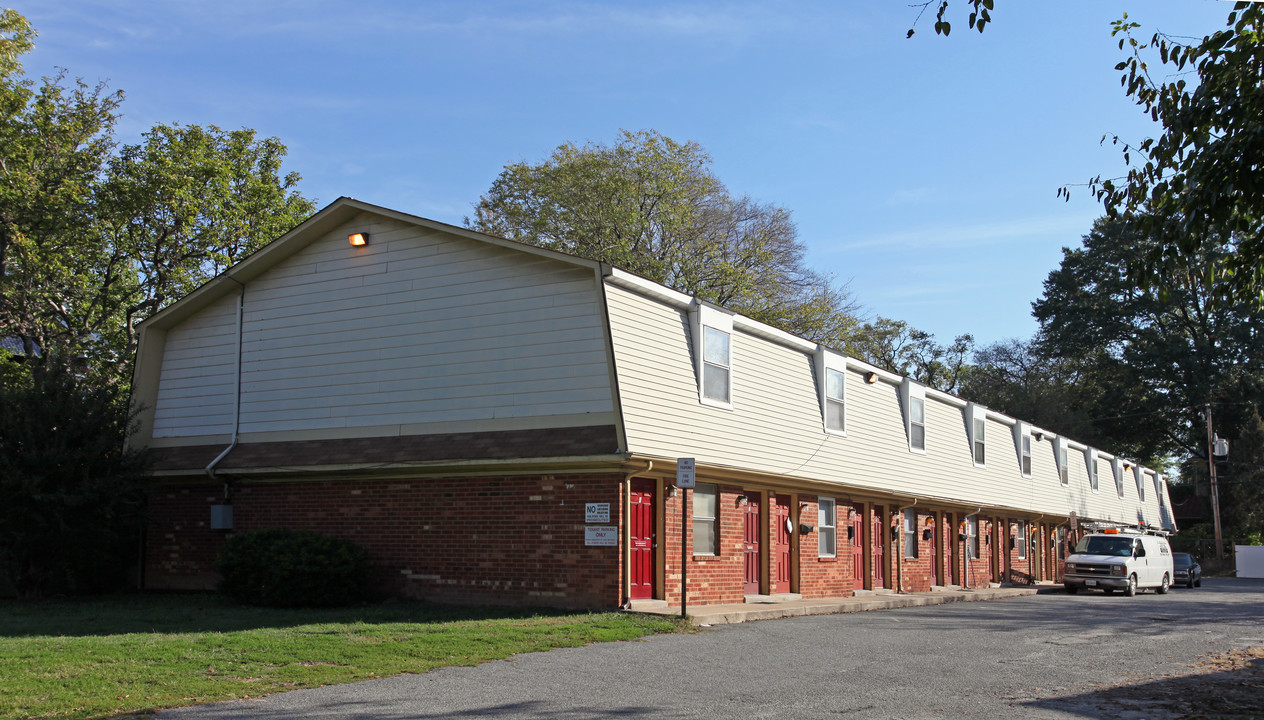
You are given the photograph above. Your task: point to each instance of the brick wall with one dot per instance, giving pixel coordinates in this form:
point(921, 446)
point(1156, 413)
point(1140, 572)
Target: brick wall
point(498, 540)
point(824, 576)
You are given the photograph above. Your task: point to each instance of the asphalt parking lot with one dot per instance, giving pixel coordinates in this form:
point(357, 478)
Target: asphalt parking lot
point(1043, 656)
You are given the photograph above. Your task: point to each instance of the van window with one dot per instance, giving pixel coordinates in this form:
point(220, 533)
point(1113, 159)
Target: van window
point(1105, 545)
point(1140, 549)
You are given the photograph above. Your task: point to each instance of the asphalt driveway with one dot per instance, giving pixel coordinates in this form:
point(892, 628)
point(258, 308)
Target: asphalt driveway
point(1043, 656)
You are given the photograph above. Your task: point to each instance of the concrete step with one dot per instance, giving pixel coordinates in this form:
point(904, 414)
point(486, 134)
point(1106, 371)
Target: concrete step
point(774, 598)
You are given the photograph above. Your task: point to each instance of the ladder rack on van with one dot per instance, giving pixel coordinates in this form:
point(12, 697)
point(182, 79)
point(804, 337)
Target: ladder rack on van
point(1138, 529)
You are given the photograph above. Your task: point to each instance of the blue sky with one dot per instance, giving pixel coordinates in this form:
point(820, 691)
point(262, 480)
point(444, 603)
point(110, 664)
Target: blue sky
point(923, 172)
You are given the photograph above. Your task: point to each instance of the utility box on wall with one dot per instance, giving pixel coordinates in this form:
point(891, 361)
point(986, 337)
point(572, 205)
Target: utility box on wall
point(221, 517)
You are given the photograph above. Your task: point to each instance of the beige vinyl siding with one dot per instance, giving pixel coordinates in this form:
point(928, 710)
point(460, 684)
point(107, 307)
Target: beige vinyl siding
point(195, 387)
point(775, 425)
point(419, 326)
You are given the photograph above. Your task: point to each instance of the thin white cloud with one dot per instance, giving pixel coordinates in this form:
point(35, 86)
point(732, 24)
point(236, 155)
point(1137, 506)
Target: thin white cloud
point(972, 235)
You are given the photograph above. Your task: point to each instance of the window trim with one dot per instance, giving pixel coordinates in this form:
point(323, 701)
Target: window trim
point(703, 316)
point(977, 417)
point(1064, 462)
point(1024, 447)
point(822, 527)
point(910, 533)
point(1090, 464)
point(1139, 478)
point(1117, 469)
point(1020, 539)
point(972, 538)
point(695, 518)
point(911, 391)
point(828, 361)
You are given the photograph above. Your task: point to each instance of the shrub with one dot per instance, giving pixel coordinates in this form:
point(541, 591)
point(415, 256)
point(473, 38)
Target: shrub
point(293, 568)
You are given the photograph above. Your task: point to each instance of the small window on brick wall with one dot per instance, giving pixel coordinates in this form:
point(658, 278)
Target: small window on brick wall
point(1020, 540)
point(706, 538)
point(910, 533)
point(826, 528)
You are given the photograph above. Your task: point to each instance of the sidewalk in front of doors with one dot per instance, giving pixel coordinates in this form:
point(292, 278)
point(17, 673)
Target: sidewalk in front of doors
point(769, 607)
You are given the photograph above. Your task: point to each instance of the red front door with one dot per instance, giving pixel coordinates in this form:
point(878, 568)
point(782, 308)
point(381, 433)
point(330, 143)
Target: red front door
point(879, 540)
point(782, 531)
point(750, 544)
point(641, 522)
point(858, 546)
point(934, 553)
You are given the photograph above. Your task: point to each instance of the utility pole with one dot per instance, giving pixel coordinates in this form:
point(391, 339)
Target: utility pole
point(1215, 492)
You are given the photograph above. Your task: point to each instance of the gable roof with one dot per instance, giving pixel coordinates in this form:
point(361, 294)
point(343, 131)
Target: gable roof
point(323, 221)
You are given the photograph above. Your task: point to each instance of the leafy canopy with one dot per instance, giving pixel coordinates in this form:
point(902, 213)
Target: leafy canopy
point(93, 238)
point(651, 205)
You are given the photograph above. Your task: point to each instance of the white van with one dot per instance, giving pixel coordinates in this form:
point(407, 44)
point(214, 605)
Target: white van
point(1115, 560)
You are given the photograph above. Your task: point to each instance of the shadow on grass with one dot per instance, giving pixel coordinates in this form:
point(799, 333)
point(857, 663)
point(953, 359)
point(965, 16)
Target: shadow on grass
point(209, 612)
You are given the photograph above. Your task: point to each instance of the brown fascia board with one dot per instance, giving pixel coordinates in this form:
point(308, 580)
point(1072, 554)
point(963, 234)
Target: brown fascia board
point(307, 232)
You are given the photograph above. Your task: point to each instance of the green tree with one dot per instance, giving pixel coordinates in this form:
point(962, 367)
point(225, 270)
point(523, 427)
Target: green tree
point(92, 241)
point(70, 495)
point(1242, 487)
point(1144, 366)
point(650, 205)
point(896, 346)
point(1200, 179)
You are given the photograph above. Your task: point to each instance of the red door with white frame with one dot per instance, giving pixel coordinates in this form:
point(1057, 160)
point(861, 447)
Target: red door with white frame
point(641, 523)
point(750, 544)
point(858, 546)
point(879, 543)
point(782, 531)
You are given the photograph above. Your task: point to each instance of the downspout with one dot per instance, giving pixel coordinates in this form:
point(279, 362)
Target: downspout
point(965, 576)
point(210, 469)
point(625, 534)
point(899, 572)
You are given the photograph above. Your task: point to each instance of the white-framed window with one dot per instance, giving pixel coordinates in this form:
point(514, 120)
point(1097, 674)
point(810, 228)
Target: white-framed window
point(826, 528)
point(1140, 480)
point(1090, 457)
point(914, 397)
point(713, 344)
point(706, 526)
point(1117, 470)
point(1024, 454)
point(972, 537)
point(716, 373)
point(1020, 539)
point(1064, 468)
point(977, 416)
point(910, 533)
point(831, 371)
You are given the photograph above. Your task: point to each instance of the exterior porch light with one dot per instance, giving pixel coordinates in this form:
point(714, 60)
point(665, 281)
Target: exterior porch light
point(358, 239)
point(871, 377)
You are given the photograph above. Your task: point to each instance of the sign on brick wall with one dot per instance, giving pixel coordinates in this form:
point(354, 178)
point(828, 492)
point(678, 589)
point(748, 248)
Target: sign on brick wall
point(601, 535)
point(596, 512)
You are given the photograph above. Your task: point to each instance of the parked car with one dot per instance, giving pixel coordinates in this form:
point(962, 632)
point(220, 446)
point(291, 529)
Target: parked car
point(1112, 560)
point(1187, 571)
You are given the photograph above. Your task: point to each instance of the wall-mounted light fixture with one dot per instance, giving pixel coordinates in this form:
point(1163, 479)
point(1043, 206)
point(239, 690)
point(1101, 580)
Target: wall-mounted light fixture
point(1038, 436)
point(871, 377)
point(742, 500)
point(358, 239)
point(1127, 467)
point(671, 491)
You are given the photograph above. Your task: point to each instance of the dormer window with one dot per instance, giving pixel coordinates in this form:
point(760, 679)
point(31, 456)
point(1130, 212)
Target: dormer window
point(1064, 468)
point(1024, 453)
point(1091, 460)
point(715, 366)
point(977, 418)
point(1137, 477)
point(1117, 469)
point(713, 354)
point(831, 373)
point(914, 397)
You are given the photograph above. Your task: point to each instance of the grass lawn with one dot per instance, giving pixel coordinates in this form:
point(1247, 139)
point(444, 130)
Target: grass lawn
point(134, 654)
